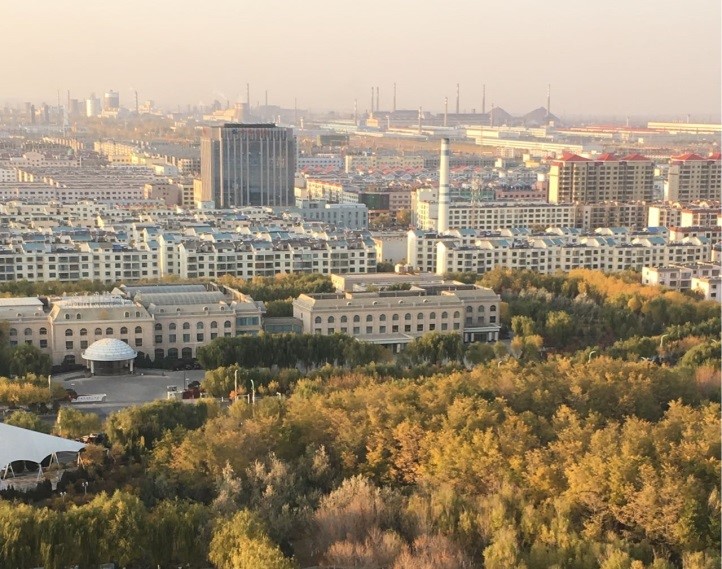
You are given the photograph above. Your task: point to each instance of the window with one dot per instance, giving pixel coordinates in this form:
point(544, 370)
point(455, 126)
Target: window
point(138, 342)
point(317, 320)
point(98, 331)
point(214, 325)
point(83, 332)
point(77, 316)
point(420, 316)
point(394, 328)
point(43, 343)
point(469, 309)
point(407, 316)
point(43, 331)
point(356, 329)
point(481, 308)
point(395, 317)
point(369, 329)
point(186, 326)
point(158, 327)
point(186, 337)
point(444, 315)
point(67, 316)
point(171, 326)
point(432, 316)
point(457, 314)
point(123, 330)
point(127, 314)
point(171, 338)
point(109, 331)
point(407, 328)
point(382, 318)
point(83, 344)
point(68, 345)
point(344, 319)
point(13, 332)
point(199, 325)
point(492, 319)
point(331, 320)
point(227, 324)
point(199, 337)
point(68, 332)
point(357, 318)
point(492, 308)
point(28, 332)
point(138, 330)
point(382, 329)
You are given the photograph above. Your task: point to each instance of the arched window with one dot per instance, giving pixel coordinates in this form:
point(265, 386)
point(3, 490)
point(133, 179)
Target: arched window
point(407, 316)
point(173, 353)
point(98, 331)
point(83, 332)
point(227, 324)
point(331, 320)
point(43, 331)
point(77, 316)
point(158, 327)
point(444, 315)
point(138, 330)
point(317, 320)
point(492, 308)
point(123, 331)
point(109, 331)
point(28, 332)
point(199, 325)
point(344, 319)
point(127, 314)
point(481, 308)
point(395, 317)
point(420, 316)
point(187, 353)
point(382, 318)
point(469, 308)
point(369, 318)
point(457, 314)
point(171, 326)
point(214, 325)
point(357, 318)
point(68, 332)
point(432, 316)
point(186, 326)
point(67, 316)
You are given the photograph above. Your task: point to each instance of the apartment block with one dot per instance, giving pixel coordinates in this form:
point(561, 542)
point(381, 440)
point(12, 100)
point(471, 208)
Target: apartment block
point(692, 177)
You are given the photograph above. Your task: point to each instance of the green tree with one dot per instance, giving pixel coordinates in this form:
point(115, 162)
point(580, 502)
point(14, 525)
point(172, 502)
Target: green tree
point(28, 420)
point(26, 358)
point(73, 423)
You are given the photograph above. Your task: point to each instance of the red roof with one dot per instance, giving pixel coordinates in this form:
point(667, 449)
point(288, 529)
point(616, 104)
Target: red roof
point(715, 156)
point(571, 157)
point(688, 156)
point(607, 157)
point(635, 157)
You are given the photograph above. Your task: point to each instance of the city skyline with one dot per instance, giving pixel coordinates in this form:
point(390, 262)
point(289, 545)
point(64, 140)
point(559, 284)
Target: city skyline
point(618, 61)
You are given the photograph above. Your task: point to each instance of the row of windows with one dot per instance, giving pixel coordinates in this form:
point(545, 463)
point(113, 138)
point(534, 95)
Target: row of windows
point(407, 316)
point(123, 330)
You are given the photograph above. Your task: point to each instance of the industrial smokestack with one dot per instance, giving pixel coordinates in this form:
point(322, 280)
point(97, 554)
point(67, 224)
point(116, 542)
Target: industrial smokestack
point(371, 109)
point(421, 112)
point(549, 99)
point(457, 98)
point(377, 100)
point(446, 110)
point(442, 225)
point(355, 112)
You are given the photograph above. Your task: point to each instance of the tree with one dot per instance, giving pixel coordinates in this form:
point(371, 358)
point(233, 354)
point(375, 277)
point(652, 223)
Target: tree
point(241, 543)
point(28, 420)
point(558, 328)
point(26, 358)
point(72, 423)
point(480, 353)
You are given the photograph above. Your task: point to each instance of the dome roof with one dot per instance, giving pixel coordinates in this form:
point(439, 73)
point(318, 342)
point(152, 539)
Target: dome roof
point(109, 350)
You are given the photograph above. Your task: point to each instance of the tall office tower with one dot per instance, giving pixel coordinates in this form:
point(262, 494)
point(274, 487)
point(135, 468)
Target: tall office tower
point(606, 178)
point(248, 164)
point(692, 177)
point(92, 106)
point(111, 101)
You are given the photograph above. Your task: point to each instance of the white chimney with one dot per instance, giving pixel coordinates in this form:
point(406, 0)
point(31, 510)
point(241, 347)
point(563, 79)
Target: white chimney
point(442, 225)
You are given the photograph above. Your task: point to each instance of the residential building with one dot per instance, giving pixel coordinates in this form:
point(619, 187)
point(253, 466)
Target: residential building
point(691, 177)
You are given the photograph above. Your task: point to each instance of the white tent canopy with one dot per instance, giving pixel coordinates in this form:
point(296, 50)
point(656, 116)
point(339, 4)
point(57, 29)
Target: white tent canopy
point(23, 444)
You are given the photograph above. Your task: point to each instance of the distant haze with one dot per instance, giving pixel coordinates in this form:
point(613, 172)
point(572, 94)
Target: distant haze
point(619, 57)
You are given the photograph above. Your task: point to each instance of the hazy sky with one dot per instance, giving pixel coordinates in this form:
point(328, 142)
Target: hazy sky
point(617, 57)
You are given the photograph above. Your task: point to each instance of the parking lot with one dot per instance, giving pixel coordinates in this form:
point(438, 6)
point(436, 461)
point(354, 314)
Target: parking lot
point(125, 390)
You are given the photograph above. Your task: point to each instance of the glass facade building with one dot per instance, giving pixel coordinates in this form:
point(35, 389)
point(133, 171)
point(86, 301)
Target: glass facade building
point(248, 164)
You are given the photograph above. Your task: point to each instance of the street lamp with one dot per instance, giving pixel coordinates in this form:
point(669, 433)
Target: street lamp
point(84, 484)
point(590, 355)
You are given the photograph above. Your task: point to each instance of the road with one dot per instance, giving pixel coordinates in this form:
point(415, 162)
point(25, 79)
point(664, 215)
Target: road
point(126, 390)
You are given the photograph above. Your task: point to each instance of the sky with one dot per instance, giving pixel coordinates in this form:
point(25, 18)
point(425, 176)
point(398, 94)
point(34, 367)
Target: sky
point(613, 58)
